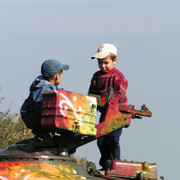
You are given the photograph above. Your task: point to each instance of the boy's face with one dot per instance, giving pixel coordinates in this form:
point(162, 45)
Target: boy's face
point(58, 77)
point(106, 64)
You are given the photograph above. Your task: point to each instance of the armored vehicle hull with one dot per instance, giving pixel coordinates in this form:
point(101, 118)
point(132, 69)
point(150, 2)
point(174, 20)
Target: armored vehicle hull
point(43, 164)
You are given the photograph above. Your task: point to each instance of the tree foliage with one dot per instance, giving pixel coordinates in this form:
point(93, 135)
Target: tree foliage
point(12, 128)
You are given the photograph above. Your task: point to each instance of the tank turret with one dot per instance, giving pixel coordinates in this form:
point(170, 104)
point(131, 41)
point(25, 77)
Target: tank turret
point(70, 120)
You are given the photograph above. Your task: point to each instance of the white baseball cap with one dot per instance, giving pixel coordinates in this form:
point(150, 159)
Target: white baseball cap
point(104, 50)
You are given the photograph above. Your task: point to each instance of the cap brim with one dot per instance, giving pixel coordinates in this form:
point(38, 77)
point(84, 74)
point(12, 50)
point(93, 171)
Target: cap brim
point(100, 55)
point(65, 67)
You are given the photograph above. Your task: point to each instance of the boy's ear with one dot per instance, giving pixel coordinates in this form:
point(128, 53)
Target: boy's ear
point(56, 76)
point(115, 61)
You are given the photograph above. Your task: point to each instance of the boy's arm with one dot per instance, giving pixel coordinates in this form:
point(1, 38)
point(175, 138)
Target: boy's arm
point(120, 87)
point(37, 96)
point(91, 87)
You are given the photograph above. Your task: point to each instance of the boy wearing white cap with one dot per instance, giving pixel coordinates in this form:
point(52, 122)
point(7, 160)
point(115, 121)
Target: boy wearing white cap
point(109, 77)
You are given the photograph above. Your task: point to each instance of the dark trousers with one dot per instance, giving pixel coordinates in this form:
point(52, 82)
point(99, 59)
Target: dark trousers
point(109, 147)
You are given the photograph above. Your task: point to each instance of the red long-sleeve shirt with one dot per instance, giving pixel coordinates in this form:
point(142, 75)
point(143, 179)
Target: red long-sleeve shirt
point(115, 79)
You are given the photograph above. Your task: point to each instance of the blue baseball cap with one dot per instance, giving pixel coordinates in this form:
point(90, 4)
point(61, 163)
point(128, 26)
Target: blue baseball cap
point(51, 67)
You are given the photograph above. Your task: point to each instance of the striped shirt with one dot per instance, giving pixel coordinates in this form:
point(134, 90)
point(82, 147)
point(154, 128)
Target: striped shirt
point(115, 79)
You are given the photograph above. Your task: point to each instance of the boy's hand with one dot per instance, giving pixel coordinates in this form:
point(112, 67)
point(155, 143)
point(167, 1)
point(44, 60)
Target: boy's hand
point(55, 91)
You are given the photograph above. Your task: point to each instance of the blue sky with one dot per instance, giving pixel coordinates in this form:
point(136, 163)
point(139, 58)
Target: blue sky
point(147, 36)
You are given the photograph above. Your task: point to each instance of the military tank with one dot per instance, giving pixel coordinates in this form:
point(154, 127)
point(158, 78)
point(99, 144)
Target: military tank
point(70, 120)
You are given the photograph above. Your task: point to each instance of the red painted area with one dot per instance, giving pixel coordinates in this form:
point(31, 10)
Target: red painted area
point(125, 169)
point(69, 111)
point(113, 120)
point(132, 169)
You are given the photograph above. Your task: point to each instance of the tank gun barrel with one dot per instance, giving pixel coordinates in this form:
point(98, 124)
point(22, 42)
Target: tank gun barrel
point(136, 113)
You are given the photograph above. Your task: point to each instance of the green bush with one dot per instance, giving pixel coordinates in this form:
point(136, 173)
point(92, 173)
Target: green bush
point(12, 128)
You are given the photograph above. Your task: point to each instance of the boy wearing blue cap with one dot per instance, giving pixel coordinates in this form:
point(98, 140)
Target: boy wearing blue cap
point(50, 78)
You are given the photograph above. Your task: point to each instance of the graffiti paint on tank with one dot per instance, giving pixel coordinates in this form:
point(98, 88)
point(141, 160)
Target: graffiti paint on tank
point(37, 170)
point(69, 111)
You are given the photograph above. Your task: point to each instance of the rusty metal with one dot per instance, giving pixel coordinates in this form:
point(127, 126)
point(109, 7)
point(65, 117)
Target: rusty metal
point(135, 113)
point(113, 120)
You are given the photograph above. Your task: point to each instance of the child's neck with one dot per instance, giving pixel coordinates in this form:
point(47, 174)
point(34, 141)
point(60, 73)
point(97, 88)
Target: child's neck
point(52, 82)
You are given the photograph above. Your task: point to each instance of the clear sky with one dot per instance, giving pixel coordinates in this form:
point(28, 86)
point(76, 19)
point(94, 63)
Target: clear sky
point(147, 36)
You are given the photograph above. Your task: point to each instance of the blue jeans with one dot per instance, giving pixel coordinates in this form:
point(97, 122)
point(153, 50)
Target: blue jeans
point(109, 147)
